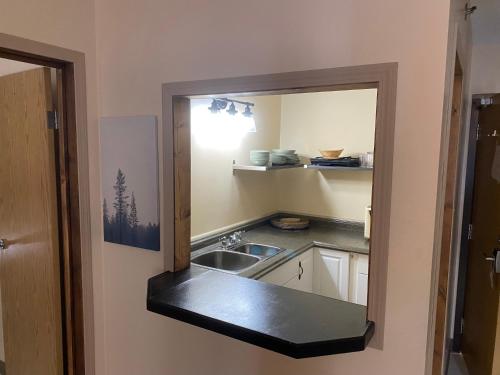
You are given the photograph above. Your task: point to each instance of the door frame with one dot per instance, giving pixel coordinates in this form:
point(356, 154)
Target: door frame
point(73, 192)
point(470, 170)
point(447, 206)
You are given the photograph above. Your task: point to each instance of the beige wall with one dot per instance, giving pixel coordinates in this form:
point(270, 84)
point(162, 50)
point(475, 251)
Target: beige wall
point(326, 121)
point(220, 198)
point(486, 68)
point(143, 44)
point(304, 122)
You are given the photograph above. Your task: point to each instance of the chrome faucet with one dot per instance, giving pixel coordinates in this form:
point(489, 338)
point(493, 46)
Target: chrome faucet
point(236, 238)
point(231, 241)
point(224, 241)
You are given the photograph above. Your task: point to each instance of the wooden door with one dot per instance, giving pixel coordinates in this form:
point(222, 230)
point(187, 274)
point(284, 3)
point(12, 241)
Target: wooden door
point(480, 343)
point(29, 267)
point(331, 273)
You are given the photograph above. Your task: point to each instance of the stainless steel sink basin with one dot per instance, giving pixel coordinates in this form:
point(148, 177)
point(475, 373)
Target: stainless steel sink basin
point(225, 260)
point(258, 250)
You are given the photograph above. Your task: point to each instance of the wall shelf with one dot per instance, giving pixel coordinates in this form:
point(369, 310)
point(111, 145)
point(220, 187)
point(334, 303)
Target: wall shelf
point(257, 168)
point(325, 168)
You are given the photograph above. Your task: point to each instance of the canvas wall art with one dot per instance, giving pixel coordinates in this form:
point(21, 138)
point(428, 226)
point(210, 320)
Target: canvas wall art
point(129, 167)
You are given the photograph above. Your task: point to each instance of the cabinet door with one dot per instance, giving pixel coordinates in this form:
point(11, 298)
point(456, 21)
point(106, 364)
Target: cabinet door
point(358, 292)
point(283, 274)
point(361, 289)
point(304, 279)
point(331, 273)
point(296, 273)
point(294, 283)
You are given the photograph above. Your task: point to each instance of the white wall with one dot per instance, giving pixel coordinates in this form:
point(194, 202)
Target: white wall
point(486, 68)
point(12, 66)
point(143, 44)
point(326, 121)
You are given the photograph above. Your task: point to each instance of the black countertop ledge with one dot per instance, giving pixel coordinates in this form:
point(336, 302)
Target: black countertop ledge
point(283, 320)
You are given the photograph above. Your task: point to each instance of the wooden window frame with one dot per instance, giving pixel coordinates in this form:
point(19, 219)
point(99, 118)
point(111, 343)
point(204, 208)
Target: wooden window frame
point(73, 195)
point(177, 157)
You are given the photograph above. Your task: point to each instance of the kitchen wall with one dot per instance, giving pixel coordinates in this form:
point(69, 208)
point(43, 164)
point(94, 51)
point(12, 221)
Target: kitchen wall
point(326, 121)
point(143, 44)
point(304, 122)
point(220, 198)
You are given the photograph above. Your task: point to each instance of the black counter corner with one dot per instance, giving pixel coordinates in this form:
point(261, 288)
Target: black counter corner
point(287, 321)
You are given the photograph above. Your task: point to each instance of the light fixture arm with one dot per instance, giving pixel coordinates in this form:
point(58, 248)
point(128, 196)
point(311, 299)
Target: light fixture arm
point(235, 101)
point(221, 103)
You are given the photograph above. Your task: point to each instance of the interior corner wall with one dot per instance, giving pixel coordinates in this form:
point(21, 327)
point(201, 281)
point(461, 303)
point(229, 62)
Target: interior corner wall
point(486, 68)
point(312, 122)
point(141, 45)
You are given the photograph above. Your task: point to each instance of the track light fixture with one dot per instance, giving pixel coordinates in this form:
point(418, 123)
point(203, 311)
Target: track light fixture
point(221, 103)
point(214, 108)
point(232, 109)
point(248, 112)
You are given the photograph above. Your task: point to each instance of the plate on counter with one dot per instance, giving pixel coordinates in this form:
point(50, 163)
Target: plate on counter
point(290, 223)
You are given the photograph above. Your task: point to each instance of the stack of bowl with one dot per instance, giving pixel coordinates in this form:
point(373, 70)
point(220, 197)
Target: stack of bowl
point(259, 157)
point(282, 157)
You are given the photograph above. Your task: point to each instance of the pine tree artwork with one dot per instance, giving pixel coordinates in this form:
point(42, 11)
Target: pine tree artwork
point(130, 208)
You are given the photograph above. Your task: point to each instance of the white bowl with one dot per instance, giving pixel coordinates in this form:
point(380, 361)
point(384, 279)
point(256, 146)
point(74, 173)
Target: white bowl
point(259, 162)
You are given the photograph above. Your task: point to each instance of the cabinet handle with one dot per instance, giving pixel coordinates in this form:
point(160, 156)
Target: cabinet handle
point(301, 270)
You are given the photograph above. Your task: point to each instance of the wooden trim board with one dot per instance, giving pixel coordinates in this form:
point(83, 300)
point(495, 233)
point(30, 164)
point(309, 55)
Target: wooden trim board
point(74, 193)
point(447, 223)
point(380, 76)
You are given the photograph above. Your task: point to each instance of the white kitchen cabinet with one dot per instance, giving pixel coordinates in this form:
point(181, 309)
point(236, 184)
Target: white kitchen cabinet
point(296, 273)
point(331, 273)
point(358, 284)
point(282, 274)
point(304, 279)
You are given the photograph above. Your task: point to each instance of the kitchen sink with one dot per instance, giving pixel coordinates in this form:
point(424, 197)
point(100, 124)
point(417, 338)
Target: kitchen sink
point(224, 260)
point(258, 250)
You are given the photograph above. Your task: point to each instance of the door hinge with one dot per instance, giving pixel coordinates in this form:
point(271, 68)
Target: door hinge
point(478, 132)
point(52, 120)
point(462, 323)
point(469, 232)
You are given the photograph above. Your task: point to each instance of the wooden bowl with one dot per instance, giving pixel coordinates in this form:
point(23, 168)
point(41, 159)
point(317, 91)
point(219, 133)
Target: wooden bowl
point(331, 154)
